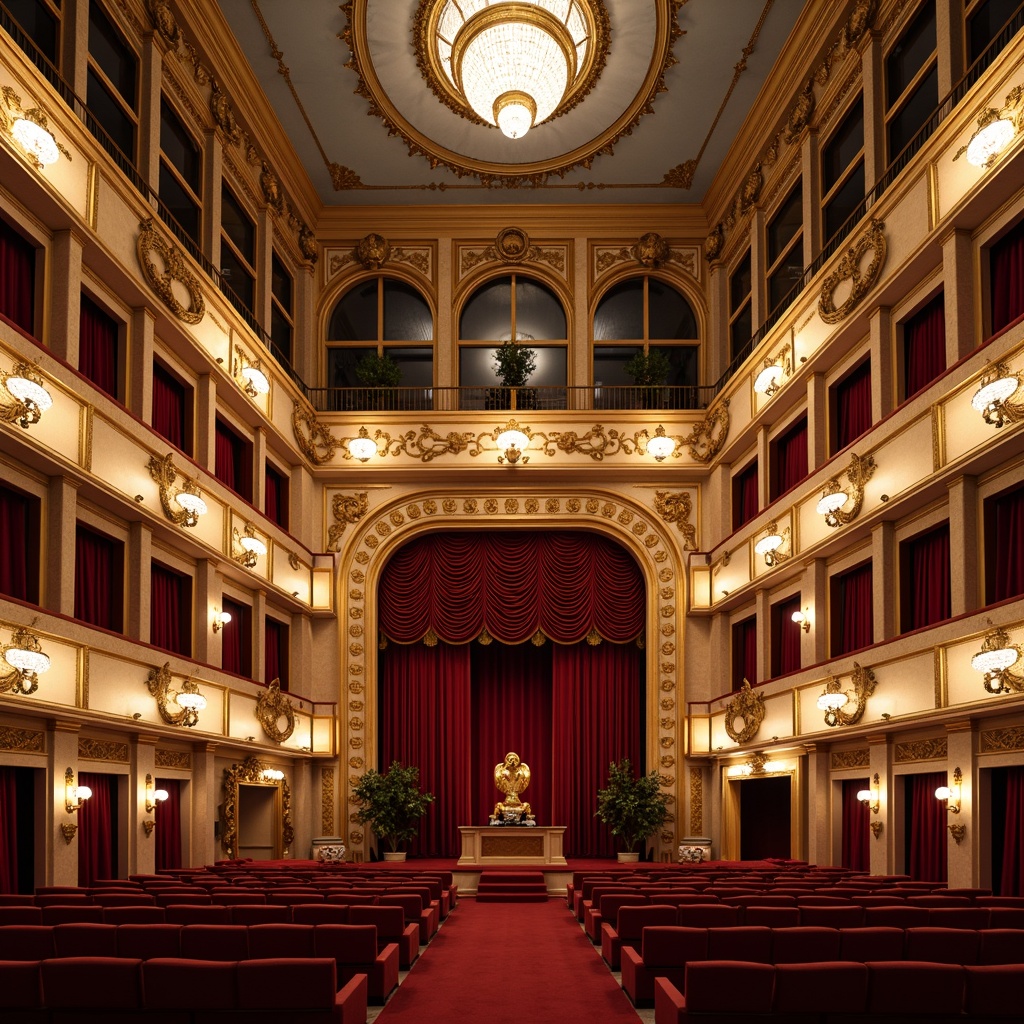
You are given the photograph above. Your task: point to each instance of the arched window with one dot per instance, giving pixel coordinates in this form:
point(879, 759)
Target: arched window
point(381, 317)
point(514, 307)
point(639, 316)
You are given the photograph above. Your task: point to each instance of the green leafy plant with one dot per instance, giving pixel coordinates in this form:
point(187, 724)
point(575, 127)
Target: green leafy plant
point(633, 807)
point(649, 369)
point(391, 803)
point(378, 371)
point(514, 362)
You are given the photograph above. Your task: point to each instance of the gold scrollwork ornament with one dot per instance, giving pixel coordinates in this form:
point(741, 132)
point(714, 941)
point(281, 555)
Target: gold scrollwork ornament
point(746, 707)
point(849, 269)
point(175, 269)
point(271, 706)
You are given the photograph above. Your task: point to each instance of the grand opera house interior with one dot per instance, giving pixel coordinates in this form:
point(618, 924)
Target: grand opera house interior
point(271, 517)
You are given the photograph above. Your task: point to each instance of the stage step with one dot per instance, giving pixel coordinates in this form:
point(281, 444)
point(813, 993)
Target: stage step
point(511, 887)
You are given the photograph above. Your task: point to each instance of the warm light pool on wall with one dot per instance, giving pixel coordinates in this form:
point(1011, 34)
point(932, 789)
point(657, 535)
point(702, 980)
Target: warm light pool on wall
point(768, 381)
point(154, 796)
point(992, 399)
point(872, 795)
point(26, 660)
point(996, 130)
point(951, 794)
point(512, 441)
point(994, 661)
point(220, 620)
point(24, 385)
point(803, 619)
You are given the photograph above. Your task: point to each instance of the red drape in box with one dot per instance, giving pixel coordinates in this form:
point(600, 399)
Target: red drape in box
point(227, 456)
point(168, 826)
point(786, 638)
point(16, 517)
point(744, 652)
point(853, 608)
point(928, 597)
point(745, 496)
point(275, 651)
point(99, 579)
point(791, 458)
point(1004, 528)
point(856, 817)
point(926, 827)
point(1012, 881)
point(97, 347)
point(96, 828)
point(1006, 267)
point(924, 346)
point(275, 496)
point(8, 831)
point(170, 604)
point(17, 277)
point(168, 407)
point(236, 642)
point(853, 406)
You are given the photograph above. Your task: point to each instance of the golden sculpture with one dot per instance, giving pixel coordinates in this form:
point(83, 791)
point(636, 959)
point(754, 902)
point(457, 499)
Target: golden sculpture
point(511, 776)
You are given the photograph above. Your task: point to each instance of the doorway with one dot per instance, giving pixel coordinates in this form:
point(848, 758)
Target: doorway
point(765, 814)
point(259, 816)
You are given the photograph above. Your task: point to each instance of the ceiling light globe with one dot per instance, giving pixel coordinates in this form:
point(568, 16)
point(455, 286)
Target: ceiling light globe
point(767, 544)
point(989, 142)
point(362, 448)
point(513, 118)
point(832, 701)
point(995, 391)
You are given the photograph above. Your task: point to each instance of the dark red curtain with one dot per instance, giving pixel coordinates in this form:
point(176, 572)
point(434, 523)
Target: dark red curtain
point(8, 830)
point(853, 405)
point(924, 346)
point(168, 826)
point(97, 824)
point(926, 827)
point(236, 642)
point(19, 545)
point(275, 497)
point(1004, 546)
point(744, 652)
point(17, 277)
point(99, 579)
point(744, 496)
point(852, 610)
point(786, 637)
point(275, 651)
point(925, 576)
point(170, 610)
point(1006, 267)
point(233, 467)
point(168, 407)
point(856, 853)
point(1012, 881)
point(790, 459)
point(97, 346)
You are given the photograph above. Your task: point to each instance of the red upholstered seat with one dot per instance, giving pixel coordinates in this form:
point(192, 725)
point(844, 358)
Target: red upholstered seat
point(92, 982)
point(392, 926)
point(935, 899)
point(85, 940)
point(914, 989)
point(732, 991)
point(70, 898)
point(20, 915)
point(21, 992)
point(172, 899)
point(1001, 946)
point(215, 942)
point(664, 952)
point(319, 913)
point(751, 943)
point(416, 912)
point(817, 900)
point(149, 941)
point(771, 917)
point(79, 913)
point(26, 942)
point(959, 917)
point(288, 899)
point(303, 989)
point(707, 915)
point(271, 941)
point(354, 948)
point(260, 913)
point(943, 945)
point(235, 897)
point(605, 907)
point(804, 944)
point(994, 991)
point(628, 930)
point(14, 899)
point(352, 899)
point(1005, 917)
point(134, 915)
point(871, 943)
point(897, 917)
point(123, 899)
point(179, 984)
point(760, 900)
point(190, 913)
point(819, 988)
point(849, 916)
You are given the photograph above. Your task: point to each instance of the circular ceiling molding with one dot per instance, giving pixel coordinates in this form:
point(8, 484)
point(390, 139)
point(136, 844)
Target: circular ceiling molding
point(618, 86)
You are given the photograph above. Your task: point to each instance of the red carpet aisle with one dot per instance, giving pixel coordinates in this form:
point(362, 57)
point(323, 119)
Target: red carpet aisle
point(506, 963)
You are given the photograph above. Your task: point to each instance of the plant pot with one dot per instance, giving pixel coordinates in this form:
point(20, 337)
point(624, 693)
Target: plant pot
point(396, 857)
point(629, 858)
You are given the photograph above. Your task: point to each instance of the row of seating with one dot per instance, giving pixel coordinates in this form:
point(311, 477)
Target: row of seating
point(97, 990)
point(665, 951)
point(356, 948)
point(881, 992)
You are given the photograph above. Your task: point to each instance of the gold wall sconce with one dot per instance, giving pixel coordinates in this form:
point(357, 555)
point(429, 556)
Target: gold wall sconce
point(220, 620)
point(841, 505)
point(957, 831)
point(996, 130)
point(29, 399)
point(26, 660)
point(872, 795)
point(246, 546)
point(803, 619)
point(188, 701)
point(512, 440)
point(992, 399)
point(771, 545)
point(249, 375)
point(183, 505)
point(153, 795)
point(776, 370)
point(74, 798)
point(660, 445)
point(148, 826)
point(996, 658)
point(361, 447)
point(31, 131)
point(846, 707)
point(951, 794)
point(876, 828)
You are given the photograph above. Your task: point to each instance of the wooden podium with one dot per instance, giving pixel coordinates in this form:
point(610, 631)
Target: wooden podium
point(500, 844)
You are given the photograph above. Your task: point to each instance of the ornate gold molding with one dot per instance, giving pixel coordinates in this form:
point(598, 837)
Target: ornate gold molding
point(511, 246)
point(707, 438)
point(859, 472)
point(271, 706)
point(696, 802)
point(650, 251)
point(346, 509)
point(864, 683)
point(164, 474)
point(158, 682)
point(251, 772)
point(102, 750)
point(849, 269)
point(28, 741)
point(844, 759)
point(748, 707)
point(327, 801)
point(23, 411)
point(313, 438)
point(921, 750)
point(675, 507)
point(180, 759)
point(997, 740)
point(175, 268)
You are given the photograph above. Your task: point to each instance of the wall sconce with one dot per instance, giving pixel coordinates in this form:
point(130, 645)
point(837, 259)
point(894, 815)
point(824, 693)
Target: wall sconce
point(31, 131)
point(803, 619)
point(992, 399)
point(996, 657)
point(951, 794)
point(512, 441)
point(183, 506)
point(153, 795)
point(148, 826)
point(362, 446)
point(220, 620)
point(769, 380)
point(957, 831)
point(251, 547)
point(31, 399)
point(249, 375)
point(272, 774)
point(189, 700)
point(834, 699)
point(770, 546)
point(876, 828)
point(995, 131)
point(871, 796)
point(834, 499)
point(27, 661)
point(661, 446)
point(74, 796)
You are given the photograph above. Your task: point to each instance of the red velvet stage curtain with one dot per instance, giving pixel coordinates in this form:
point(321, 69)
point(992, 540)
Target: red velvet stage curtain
point(427, 723)
point(97, 346)
point(513, 584)
point(17, 277)
point(744, 652)
point(790, 458)
point(926, 827)
point(8, 831)
point(852, 611)
point(853, 406)
point(924, 346)
point(856, 817)
point(596, 719)
point(1012, 882)
point(168, 407)
point(236, 642)
point(275, 651)
point(926, 576)
point(168, 826)
point(97, 828)
point(170, 609)
point(19, 545)
point(786, 638)
point(1006, 267)
point(1004, 546)
point(99, 579)
point(745, 496)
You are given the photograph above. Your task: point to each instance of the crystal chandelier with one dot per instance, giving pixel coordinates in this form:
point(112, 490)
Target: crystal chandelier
point(514, 63)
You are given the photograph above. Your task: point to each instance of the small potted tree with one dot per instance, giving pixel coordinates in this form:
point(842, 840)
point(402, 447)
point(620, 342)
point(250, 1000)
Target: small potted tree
point(392, 804)
point(513, 363)
point(379, 372)
point(650, 369)
point(633, 807)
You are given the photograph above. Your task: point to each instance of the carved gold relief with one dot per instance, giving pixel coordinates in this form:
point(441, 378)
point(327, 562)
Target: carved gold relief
point(993, 740)
point(373, 251)
point(180, 759)
point(174, 269)
point(314, 439)
point(28, 741)
point(327, 801)
point(271, 706)
point(346, 509)
point(649, 251)
point(842, 759)
point(696, 802)
point(849, 269)
point(921, 750)
point(746, 707)
point(102, 750)
point(252, 772)
point(675, 507)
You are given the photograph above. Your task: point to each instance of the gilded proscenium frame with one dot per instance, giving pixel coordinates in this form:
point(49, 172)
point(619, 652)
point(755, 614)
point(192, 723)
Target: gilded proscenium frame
point(397, 520)
point(250, 773)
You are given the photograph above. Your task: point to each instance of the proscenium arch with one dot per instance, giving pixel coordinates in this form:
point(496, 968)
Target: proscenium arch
point(399, 520)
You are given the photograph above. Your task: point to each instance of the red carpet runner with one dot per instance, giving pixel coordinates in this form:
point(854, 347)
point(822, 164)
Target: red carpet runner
point(506, 963)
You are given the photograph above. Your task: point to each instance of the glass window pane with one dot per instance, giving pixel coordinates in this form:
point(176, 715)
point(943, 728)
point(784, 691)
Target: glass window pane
point(984, 24)
point(179, 148)
point(785, 225)
point(610, 365)
point(111, 115)
point(539, 313)
point(417, 366)
point(280, 334)
point(341, 366)
point(237, 225)
point(921, 105)
point(842, 149)
point(739, 284)
point(280, 283)
point(669, 314)
point(476, 366)
point(910, 53)
point(406, 313)
point(620, 314)
point(683, 360)
point(785, 277)
point(740, 331)
point(355, 316)
point(844, 201)
point(183, 207)
point(112, 54)
point(488, 313)
point(241, 284)
point(37, 22)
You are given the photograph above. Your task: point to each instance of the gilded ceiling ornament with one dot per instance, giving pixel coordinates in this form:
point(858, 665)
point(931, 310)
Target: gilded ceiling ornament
point(675, 507)
point(747, 708)
point(706, 439)
point(307, 244)
point(373, 251)
point(751, 188)
point(271, 706)
point(314, 438)
point(224, 114)
point(174, 267)
point(163, 20)
point(713, 244)
point(849, 269)
point(346, 509)
point(680, 176)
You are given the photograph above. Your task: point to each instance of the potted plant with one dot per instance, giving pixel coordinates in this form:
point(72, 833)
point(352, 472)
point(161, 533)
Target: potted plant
point(381, 373)
point(650, 369)
point(513, 363)
point(391, 804)
point(634, 807)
